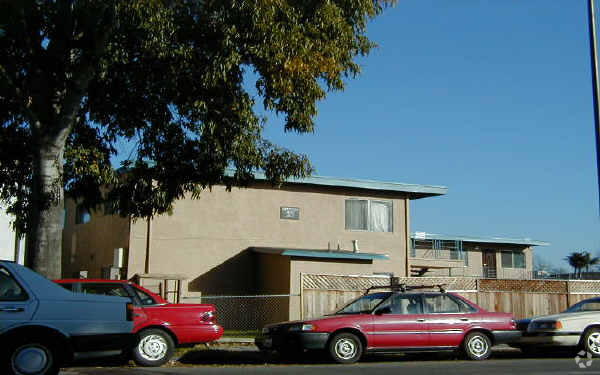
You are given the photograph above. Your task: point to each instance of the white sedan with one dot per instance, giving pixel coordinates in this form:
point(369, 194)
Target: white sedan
point(577, 327)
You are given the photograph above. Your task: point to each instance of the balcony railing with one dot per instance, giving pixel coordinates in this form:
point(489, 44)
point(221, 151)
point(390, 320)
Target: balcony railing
point(490, 272)
point(436, 254)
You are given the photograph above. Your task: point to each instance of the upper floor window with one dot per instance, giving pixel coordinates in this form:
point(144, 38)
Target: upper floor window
point(513, 259)
point(369, 215)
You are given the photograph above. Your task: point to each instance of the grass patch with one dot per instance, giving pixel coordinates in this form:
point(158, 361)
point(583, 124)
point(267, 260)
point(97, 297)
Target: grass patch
point(250, 334)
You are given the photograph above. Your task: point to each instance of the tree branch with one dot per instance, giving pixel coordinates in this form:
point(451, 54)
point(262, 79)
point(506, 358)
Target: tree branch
point(99, 34)
point(33, 119)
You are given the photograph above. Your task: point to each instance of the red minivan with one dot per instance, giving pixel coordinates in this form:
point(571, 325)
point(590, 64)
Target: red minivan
point(160, 326)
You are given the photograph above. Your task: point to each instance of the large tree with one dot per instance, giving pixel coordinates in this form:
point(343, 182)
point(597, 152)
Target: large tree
point(80, 79)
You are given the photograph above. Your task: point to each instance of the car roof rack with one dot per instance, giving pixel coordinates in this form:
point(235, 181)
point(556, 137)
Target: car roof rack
point(406, 288)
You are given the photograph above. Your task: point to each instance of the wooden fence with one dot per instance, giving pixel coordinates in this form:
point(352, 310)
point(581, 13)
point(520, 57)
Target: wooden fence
point(322, 294)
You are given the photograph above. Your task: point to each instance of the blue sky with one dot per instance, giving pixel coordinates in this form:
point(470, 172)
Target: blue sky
point(491, 98)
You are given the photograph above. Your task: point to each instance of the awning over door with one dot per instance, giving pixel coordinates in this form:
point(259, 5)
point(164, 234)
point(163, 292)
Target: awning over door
point(314, 253)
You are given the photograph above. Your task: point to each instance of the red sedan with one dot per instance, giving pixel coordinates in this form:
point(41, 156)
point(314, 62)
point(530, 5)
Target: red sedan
point(400, 320)
point(160, 326)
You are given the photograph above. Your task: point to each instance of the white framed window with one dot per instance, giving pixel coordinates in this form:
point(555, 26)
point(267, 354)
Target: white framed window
point(369, 215)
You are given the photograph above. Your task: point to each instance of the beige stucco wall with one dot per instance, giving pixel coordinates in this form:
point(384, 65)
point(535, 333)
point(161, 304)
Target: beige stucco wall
point(91, 246)
point(206, 239)
point(10, 245)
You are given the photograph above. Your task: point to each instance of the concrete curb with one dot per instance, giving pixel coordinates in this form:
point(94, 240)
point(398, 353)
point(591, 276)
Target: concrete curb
point(233, 341)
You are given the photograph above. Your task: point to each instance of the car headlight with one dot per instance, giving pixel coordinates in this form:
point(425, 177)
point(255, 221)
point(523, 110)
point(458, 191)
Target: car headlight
point(302, 327)
point(549, 325)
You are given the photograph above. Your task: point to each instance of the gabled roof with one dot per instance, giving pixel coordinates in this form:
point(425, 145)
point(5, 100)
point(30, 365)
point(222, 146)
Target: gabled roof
point(416, 191)
point(500, 240)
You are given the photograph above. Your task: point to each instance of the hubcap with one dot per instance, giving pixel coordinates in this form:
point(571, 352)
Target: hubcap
point(345, 348)
point(152, 347)
point(478, 346)
point(593, 342)
point(31, 359)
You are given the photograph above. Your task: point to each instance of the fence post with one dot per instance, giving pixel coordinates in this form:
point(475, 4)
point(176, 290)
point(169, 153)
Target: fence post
point(301, 295)
point(477, 291)
point(568, 293)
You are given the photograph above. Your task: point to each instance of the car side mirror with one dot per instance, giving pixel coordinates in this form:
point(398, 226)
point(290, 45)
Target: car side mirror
point(383, 310)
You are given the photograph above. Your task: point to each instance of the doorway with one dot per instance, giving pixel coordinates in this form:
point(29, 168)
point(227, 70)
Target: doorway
point(489, 264)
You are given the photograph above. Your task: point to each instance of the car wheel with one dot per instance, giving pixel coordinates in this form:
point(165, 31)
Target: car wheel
point(591, 341)
point(345, 348)
point(33, 357)
point(477, 346)
point(154, 348)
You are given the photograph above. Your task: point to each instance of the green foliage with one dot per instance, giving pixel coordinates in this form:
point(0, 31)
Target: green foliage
point(581, 260)
point(167, 78)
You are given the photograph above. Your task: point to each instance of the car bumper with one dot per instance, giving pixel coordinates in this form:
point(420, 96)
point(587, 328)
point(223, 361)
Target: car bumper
point(197, 334)
point(293, 341)
point(550, 338)
point(506, 337)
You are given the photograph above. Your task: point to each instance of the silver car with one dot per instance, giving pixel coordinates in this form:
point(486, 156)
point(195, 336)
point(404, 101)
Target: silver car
point(578, 327)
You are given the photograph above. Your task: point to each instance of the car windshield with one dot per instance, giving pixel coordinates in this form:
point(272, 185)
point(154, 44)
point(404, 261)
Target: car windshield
point(589, 305)
point(364, 304)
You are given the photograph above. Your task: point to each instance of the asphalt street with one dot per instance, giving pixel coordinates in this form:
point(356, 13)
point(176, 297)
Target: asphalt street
point(249, 363)
point(492, 367)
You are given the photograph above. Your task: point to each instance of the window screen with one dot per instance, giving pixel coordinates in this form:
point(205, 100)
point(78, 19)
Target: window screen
point(519, 260)
point(357, 214)
point(507, 261)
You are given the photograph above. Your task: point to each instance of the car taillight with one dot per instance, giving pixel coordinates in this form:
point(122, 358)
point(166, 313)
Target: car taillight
point(129, 311)
point(209, 316)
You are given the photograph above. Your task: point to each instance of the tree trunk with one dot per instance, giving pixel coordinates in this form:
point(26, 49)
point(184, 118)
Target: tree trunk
point(44, 237)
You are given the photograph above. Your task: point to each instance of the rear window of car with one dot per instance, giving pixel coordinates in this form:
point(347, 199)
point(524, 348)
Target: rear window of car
point(444, 303)
point(112, 289)
point(145, 298)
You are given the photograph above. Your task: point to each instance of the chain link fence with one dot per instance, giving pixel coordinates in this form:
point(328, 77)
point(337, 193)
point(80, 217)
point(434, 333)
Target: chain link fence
point(239, 314)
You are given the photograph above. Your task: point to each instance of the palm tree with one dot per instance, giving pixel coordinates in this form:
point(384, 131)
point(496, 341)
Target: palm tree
point(591, 261)
point(577, 260)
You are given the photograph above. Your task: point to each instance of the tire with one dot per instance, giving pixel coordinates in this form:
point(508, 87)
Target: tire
point(154, 348)
point(591, 341)
point(477, 346)
point(32, 356)
point(345, 348)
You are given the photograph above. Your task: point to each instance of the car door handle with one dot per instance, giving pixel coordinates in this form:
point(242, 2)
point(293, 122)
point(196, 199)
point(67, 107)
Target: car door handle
point(420, 320)
point(464, 319)
point(12, 309)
